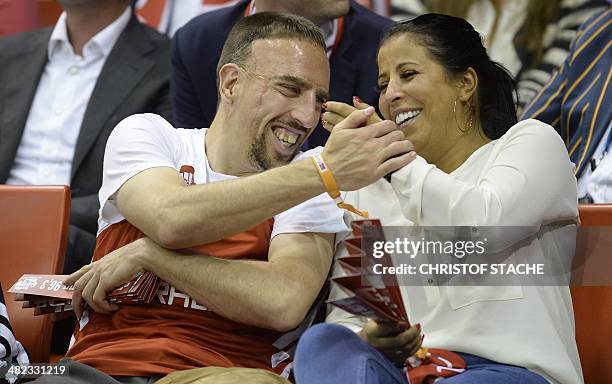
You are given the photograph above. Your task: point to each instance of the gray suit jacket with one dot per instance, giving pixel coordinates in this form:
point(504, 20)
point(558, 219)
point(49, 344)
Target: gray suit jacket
point(134, 79)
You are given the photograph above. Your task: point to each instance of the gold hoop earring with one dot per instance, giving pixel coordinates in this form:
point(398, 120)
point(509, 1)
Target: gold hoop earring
point(470, 124)
point(455, 114)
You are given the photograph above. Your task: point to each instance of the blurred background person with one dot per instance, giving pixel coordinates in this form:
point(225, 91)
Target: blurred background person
point(167, 16)
point(351, 31)
point(64, 90)
point(577, 102)
point(531, 38)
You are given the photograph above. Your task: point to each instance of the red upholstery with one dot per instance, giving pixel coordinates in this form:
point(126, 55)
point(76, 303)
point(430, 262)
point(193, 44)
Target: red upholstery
point(33, 234)
point(152, 12)
point(48, 12)
point(593, 310)
point(592, 215)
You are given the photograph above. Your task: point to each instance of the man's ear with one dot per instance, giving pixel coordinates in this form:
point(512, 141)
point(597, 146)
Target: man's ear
point(468, 83)
point(228, 81)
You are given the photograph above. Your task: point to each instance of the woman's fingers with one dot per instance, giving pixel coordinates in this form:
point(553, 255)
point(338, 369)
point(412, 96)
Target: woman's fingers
point(332, 118)
point(339, 108)
point(359, 104)
point(336, 111)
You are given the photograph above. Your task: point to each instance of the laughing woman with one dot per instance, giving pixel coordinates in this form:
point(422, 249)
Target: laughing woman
point(476, 166)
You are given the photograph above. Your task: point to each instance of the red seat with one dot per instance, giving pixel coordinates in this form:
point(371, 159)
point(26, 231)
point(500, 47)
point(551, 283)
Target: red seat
point(593, 309)
point(33, 233)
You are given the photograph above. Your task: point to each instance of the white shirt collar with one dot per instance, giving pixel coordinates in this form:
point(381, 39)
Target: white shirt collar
point(102, 41)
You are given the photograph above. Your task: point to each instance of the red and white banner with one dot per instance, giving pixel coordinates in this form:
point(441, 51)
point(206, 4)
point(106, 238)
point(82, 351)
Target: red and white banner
point(169, 15)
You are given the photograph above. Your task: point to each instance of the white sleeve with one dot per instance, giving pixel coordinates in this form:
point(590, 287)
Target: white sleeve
point(137, 143)
point(319, 214)
point(529, 182)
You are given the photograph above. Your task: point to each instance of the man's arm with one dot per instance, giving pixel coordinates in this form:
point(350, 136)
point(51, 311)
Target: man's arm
point(274, 294)
point(158, 202)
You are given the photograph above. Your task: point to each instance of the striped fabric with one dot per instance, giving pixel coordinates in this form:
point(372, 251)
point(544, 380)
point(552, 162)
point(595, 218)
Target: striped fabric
point(577, 100)
point(557, 40)
point(11, 351)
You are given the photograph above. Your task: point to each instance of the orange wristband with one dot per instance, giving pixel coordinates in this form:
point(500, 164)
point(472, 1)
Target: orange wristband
point(332, 186)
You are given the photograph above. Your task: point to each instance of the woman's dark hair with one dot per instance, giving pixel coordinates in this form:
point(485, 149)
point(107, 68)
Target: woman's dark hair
point(455, 44)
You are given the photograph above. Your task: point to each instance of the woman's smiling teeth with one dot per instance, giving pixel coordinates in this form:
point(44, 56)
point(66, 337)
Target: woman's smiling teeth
point(403, 117)
point(286, 137)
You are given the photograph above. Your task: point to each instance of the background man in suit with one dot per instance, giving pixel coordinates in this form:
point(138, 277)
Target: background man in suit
point(352, 34)
point(63, 91)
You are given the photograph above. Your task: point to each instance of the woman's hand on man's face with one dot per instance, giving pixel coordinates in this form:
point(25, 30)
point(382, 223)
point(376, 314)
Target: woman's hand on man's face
point(336, 111)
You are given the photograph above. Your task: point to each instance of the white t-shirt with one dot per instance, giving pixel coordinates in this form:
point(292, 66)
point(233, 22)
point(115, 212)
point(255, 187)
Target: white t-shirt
point(525, 179)
point(145, 141)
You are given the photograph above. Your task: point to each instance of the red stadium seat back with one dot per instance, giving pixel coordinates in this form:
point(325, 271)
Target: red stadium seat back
point(593, 215)
point(593, 311)
point(33, 233)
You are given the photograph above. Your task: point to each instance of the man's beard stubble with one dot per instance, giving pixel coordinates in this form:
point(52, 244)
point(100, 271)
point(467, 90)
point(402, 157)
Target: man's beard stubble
point(257, 153)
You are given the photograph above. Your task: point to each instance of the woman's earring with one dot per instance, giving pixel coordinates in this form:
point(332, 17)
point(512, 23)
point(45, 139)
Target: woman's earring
point(455, 116)
point(470, 121)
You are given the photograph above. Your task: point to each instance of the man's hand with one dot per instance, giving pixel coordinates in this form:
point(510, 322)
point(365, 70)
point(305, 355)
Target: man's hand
point(94, 281)
point(395, 342)
point(362, 148)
